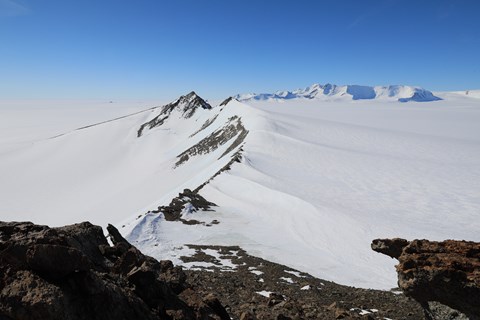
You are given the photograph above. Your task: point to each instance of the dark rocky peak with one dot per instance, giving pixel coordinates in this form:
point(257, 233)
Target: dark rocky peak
point(194, 100)
point(187, 105)
point(437, 274)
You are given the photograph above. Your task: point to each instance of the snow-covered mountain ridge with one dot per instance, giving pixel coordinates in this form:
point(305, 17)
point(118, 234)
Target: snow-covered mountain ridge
point(354, 92)
point(303, 182)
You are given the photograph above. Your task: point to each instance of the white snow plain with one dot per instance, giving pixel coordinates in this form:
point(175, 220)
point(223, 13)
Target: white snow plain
point(318, 179)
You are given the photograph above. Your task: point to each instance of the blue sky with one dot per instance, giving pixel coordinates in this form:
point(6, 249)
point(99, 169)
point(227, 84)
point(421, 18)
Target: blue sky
point(123, 49)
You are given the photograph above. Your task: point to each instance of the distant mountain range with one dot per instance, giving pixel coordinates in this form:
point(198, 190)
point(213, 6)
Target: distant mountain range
point(354, 92)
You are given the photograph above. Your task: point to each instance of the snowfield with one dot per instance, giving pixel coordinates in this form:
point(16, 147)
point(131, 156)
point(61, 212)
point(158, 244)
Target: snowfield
point(317, 181)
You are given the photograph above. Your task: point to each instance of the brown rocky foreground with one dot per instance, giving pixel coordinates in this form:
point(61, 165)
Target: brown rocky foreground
point(73, 272)
point(446, 272)
point(253, 288)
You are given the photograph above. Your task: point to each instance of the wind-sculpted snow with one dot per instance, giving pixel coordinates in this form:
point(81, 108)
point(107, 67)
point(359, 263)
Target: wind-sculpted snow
point(353, 92)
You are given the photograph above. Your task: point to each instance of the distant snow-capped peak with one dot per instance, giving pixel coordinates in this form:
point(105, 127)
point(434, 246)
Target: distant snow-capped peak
point(354, 92)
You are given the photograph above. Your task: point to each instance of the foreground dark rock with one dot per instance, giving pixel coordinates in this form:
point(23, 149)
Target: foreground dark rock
point(73, 273)
point(447, 272)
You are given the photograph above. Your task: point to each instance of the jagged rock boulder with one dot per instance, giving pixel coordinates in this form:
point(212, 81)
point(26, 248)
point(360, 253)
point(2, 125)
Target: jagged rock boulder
point(73, 273)
point(447, 272)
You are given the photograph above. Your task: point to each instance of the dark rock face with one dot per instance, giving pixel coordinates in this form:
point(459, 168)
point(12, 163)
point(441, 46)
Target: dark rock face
point(447, 272)
point(73, 273)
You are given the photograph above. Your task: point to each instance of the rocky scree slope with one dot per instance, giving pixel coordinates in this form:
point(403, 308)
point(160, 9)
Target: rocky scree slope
point(253, 288)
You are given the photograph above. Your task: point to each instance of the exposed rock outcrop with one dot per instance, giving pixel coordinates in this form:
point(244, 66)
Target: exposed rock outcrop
point(447, 272)
point(226, 101)
point(233, 128)
point(186, 202)
point(73, 273)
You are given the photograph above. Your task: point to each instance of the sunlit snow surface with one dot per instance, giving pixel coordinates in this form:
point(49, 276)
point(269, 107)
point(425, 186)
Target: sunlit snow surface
point(318, 181)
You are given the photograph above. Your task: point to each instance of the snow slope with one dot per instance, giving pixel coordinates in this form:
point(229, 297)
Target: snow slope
point(348, 92)
point(25, 121)
point(459, 95)
point(102, 173)
point(318, 180)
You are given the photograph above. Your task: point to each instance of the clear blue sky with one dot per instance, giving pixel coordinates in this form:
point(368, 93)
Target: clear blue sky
point(117, 49)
